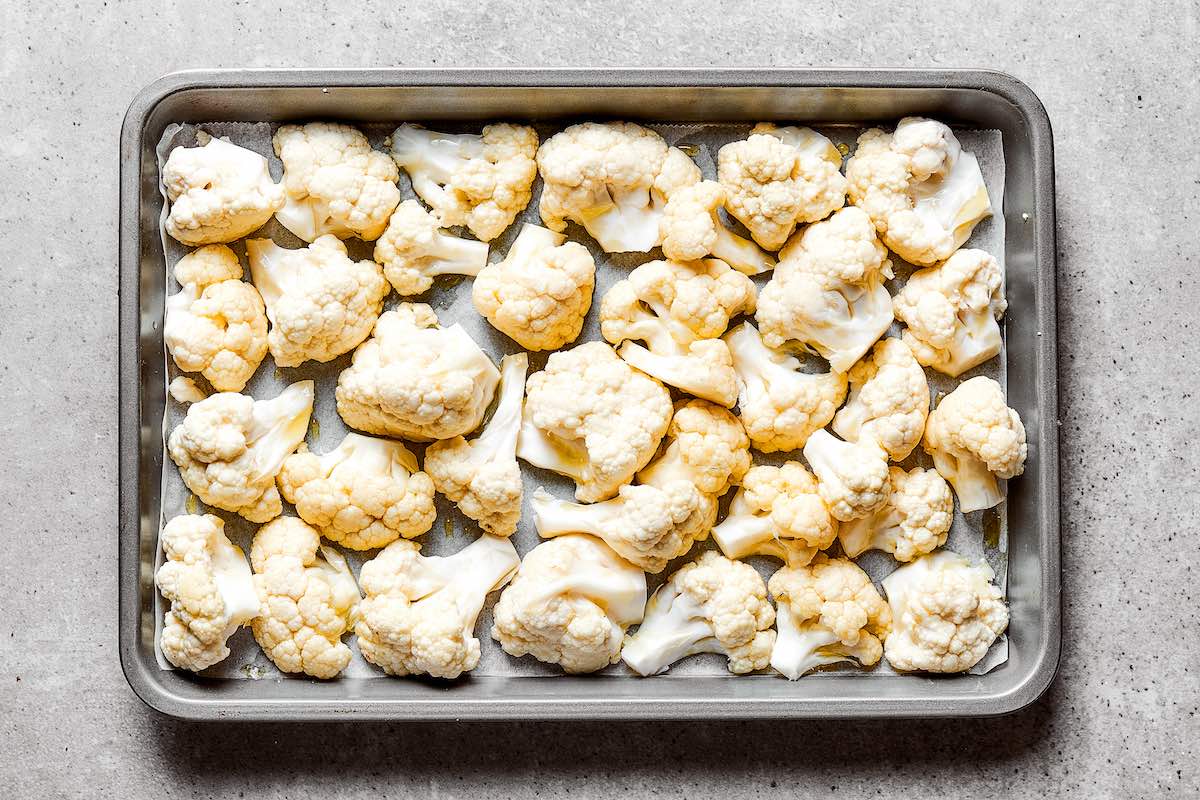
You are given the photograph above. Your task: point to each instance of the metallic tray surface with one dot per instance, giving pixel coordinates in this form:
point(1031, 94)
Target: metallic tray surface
point(813, 96)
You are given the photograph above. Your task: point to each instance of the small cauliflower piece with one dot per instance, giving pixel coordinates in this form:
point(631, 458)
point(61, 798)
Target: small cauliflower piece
point(482, 476)
point(974, 438)
point(614, 179)
point(208, 583)
point(590, 416)
point(479, 180)
point(419, 612)
point(540, 293)
point(219, 192)
point(888, 402)
point(363, 494)
point(951, 311)
point(415, 379)
point(336, 184)
point(308, 599)
point(711, 605)
point(852, 477)
point(691, 229)
point(570, 604)
point(923, 192)
point(185, 390)
point(778, 512)
point(828, 611)
point(915, 520)
point(230, 447)
point(414, 250)
point(705, 445)
point(946, 613)
point(321, 303)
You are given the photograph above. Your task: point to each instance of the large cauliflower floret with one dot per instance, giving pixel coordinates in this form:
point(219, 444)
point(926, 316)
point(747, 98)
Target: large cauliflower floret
point(692, 229)
point(479, 180)
point(215, 324)
point(321, 303)
point(828, 611)
point(778, 512)
point(219, 192)
point(946, 613)
point(570, 604)
point(336, 184)
point(208, 583)
point(419, 612)
point(705, 445)
point(614, 179)
point(590, 416)
point(923, 192)
point(888, 402)
point(363, 494)
point(951, 311)
point(415, 379)
point(482, 476)
point(540, 293)
point(778, 177)
point(915, 520)
point(230, 447)
point(974, 438)
point(414, 250)
point(711, 605)
point(852, 477)
point(308, 599)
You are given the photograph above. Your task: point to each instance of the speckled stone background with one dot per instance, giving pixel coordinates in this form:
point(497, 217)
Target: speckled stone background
point(1119, 81)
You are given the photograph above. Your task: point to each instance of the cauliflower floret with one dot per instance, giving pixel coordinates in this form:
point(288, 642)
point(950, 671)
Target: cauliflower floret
point(951, 311)
point(974, 437)
point(852, 477)
point(219, 192)
point(888, 402)
point(308, 599)
point(828, 611)
point(614, 179)
point(481, 181)
point(705, 445)
point(778, 177)
point(207, 581)
point(570, 604)
point(923, 193)
point(230, 447)
point(482, 476)
point(691, 229)
point(185, 390)
point(413, 251)
point(540, 293)
point(336, 184)
point(946, 613)
point(321, 303)
point(711, 605)
point(778, 512)
point(590, 416)
point(215, 324)
point(915, 520)
point(364, 494)
point(415, 379)
point(419, 612)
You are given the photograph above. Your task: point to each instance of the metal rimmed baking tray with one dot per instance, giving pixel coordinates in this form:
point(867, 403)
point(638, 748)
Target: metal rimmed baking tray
point(967, 98)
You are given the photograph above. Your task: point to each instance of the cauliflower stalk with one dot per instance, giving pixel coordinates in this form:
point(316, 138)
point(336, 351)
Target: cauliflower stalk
point(414, 250)
point(914, 521)
point(888, 402)
point(778, 512)
point(852, 477)
point(692, 229)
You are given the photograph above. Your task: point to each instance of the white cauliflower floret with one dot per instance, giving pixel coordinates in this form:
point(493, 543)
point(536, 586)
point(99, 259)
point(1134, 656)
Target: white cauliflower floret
point(336, 184)
point(590, 416)
point(230, 447)
point(570, 604)
point(308, 599)
point(321, 303)
point(711, 605)
point(974, 438)
point(482, 181)
point(208, 583)
point(363, 494)
point(540, 293)
point(691, 229)
point(923, 193)
point(614, 179)
point(828, 611)
point(705, 445)
point(778, 512)
point(419, 612)
point(914, 521)
point(951, 311)
point(852, 477)
point(482, 476)
point(946, 613)
point(414, 250)
point(215, 324)
point(185, 390)
point(415, 379)
point(888, 402)
point(219, 192)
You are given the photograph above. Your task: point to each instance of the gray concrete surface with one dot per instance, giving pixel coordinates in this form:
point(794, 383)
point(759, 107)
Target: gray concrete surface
point(1119, 80)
